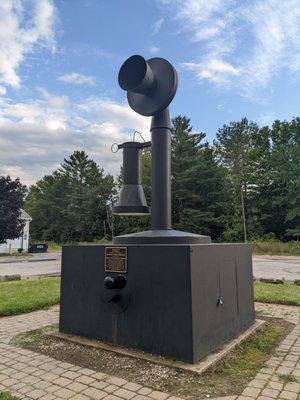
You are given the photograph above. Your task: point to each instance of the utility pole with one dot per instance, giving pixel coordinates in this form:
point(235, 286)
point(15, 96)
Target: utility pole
point(243, 214)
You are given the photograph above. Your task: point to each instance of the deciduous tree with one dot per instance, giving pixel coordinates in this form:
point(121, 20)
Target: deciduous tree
point(12, 194)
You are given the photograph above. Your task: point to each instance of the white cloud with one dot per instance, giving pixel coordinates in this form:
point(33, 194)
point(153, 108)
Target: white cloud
point(266, 119)
point(53, 100)
point(78, 79)
point(30, 151)
point(2, 90)
point(154, 49)
point(50, 111)
point(257, 39)
point(157, 26)
point(217, 71)
point(205, 18)
point(36, 135)
point(276, 32)
point(18, 34)
point(120, 115)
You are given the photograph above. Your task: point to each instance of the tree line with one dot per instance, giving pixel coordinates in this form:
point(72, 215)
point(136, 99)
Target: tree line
point(243, 186)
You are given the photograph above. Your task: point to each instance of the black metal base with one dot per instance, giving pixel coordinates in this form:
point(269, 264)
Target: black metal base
point(179, 301)
point(166, 236)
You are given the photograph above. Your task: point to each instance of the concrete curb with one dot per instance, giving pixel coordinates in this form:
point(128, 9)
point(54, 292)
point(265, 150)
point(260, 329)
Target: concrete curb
point(32, 277)
point(8, 278)
point(21, 260)
point(28, 260)
point(18, 277)
point(276, 281)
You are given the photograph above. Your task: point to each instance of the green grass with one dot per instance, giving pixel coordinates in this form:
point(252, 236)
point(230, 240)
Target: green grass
point(24, 296)
point(252, 355)
point(54, 247)
point(17, 297)
point(288, 378)
point(7, 396)
point(276, 248)
point(287, 293)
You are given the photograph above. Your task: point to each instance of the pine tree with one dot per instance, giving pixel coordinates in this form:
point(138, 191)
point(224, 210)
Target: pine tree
point(250, 169)
point(293, 212)
point(285, 176)
point(185, 156)
point(71, 204)
point(199, 189)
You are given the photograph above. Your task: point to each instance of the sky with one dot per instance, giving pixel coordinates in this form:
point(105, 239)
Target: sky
point(59, 62)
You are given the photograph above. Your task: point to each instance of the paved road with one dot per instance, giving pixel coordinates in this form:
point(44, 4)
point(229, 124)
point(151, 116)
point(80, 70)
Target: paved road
point(275, 267)
point(35, 265)
point(29, 257)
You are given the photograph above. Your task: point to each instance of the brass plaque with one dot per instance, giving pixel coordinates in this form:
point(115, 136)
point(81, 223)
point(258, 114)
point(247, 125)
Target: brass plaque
point(116, 259)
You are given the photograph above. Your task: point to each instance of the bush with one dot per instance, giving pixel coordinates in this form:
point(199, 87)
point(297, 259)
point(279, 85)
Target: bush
point(276, 248)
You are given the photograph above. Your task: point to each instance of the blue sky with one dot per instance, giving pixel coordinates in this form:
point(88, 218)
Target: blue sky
point(59, 61)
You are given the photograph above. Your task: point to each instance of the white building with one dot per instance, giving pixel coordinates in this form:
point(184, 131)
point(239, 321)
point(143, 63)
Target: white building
point(21, 242)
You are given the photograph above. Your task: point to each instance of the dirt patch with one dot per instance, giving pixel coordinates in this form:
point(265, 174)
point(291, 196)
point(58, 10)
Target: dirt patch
point(230, 376)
